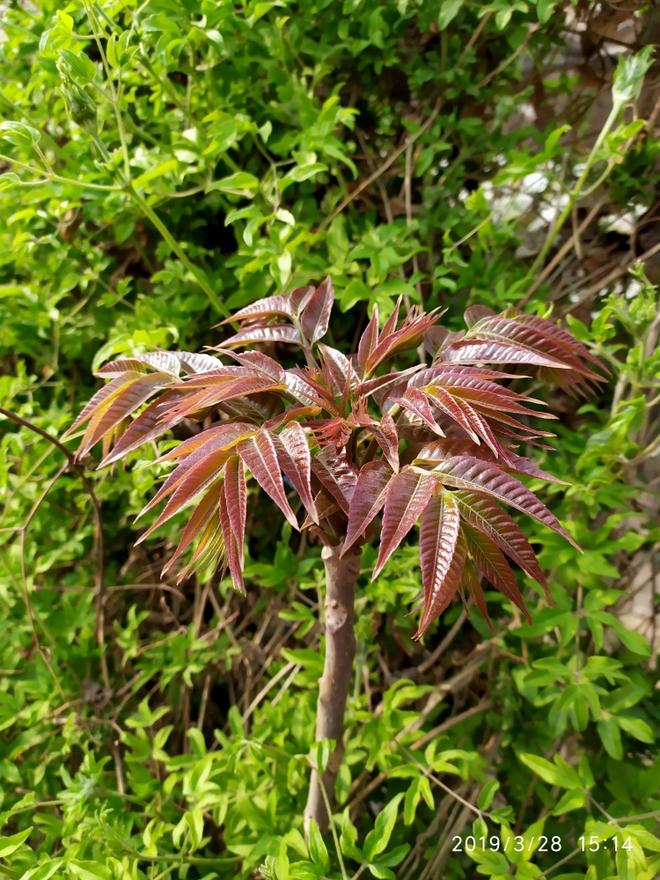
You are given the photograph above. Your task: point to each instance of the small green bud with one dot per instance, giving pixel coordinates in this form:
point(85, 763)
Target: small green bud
point(629, 75)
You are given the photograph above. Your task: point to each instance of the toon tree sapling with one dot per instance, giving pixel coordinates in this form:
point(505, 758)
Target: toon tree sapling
point(367, 452)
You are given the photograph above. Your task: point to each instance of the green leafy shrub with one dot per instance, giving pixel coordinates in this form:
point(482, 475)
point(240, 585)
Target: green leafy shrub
point(149, 729)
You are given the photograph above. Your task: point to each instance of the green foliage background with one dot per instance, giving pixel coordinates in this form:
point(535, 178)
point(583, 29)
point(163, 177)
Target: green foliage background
point(164, 163)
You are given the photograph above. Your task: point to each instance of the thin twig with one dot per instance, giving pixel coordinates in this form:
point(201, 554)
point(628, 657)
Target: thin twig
point(382, 168)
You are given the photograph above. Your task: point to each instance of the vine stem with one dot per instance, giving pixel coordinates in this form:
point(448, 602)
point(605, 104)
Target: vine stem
point(575, 193)
point(176, 248)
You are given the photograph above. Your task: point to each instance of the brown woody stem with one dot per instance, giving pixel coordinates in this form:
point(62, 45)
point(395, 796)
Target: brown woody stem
point(340, 577)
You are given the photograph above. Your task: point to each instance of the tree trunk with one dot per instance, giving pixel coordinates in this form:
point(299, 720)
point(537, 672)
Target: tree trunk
point(340, 578)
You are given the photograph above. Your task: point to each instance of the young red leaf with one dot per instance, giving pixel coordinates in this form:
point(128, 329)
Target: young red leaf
point(367, 500)
point(207, 507)
point(210, 549)
point(259, 455)
point(235, 495)
point(443, 400)
point(386, 436)
point(438, 535)
point(194, 362)
point(337, 475)
point(468, 472)
point(408, 494)
point(101, 397)
point(487, 351)
point(292, 448)
point(216, 393)
point(494, 567)
point(416, 402)
point(224, 435)
point(260, 363)
point(368, 340)
point(207, 467)
point(233, 548)
point(271, 305)
point(315, 315)
point(435, 603)
point(154, 421)
point(259, 333)
point(486, 515)
point(536, 334)
point(471, 582)
point(338, 369)
point(299, 297)
point(120, 404)
point(409, 333)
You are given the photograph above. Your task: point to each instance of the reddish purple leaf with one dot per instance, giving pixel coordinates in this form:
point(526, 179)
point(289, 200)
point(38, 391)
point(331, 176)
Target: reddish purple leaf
point(386, 436)
point(258, 333)
point(416, 402)
point(488, 517)
point(408, 494)
point(477, 351)
point(368, 499)
point(337, 476)
point(443, 400)
point(260, 457)
point(468, 472)
point(210, 549)
point(494, 567)
point(233, 548)
point(220, 392)
point(196, 478)
point(101, 397)
point(368, 340)
point(339, 369)
point(434, 605)
point(299, 297)
point(438, 534)
point(260, 363)
point(295, 460)
point(472, 583)
point(315, 314)
point(207, 507)
point(154, 421)
point(120, 404)
point(271, 305)
point(235, 494)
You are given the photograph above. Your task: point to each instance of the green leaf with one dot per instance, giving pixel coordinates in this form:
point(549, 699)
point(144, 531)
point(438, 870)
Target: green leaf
point(44, 871)
point(79, 66)
point(19, 134)
point(560, 773)
point(9, 845)
point(88, 870)
point(634, 641)
point(419, 787)
point(153, 173)
point(317, 848)
point(637, 728)
point(610, 736)
point(394, 856)
point(377, 839)
point(487, 794)
point(569, 801)
point(381, 871)
point(239, 184)
point(348, 837)
point(448, 12)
